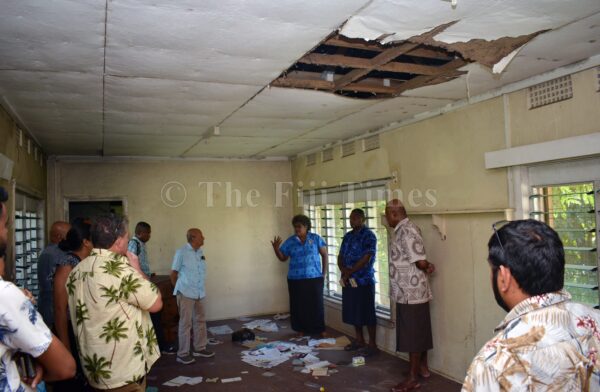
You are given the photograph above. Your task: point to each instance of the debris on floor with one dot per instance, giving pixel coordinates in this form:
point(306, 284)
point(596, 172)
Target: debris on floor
point(228, 380)
point(220, 330)
point(181, 380)
point(358, 361)
point(281, 316)
point(262, 325)
point(212, 380)
point(213, 341)
point(268, 374)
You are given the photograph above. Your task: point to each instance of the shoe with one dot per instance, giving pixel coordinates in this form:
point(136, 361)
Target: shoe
point(368, 351)
point(169, 350)
point(186, 360)
point(203, 353)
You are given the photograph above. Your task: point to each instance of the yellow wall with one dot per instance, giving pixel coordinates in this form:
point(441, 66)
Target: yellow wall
point(446, 154)
point(27, 172)
point(244, 277)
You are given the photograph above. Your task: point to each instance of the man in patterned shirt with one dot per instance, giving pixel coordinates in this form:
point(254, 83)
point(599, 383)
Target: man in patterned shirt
point(410, 290)
point(355, 261)
point(545, 342)
point(22, 332)
point(109, 303)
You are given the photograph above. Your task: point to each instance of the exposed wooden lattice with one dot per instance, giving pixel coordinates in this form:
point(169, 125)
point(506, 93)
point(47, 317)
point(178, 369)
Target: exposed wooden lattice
point(368, 69)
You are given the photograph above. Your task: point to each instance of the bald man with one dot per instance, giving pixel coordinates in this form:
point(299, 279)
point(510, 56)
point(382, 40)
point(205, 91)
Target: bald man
point(188, 273)
point(47, 262)
point(409, 286)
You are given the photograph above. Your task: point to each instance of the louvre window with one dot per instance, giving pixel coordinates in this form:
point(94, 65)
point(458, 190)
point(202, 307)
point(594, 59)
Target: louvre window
point(572, 210)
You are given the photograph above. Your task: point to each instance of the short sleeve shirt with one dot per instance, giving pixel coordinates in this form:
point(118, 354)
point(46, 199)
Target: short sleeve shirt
point(190, 265)
point(138, 248)
point(354, 246)
point(305, 259)
point(545, 343)
point(21, 330)
point(408, 284)
point(108, 304)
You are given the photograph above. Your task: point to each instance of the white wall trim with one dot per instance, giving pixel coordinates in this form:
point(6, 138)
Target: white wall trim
point(567, 148)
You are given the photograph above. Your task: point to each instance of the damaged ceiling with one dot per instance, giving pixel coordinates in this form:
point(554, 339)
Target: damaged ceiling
point(138, 78)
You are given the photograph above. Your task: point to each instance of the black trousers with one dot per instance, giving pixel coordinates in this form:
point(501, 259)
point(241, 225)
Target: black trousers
point(306, 305)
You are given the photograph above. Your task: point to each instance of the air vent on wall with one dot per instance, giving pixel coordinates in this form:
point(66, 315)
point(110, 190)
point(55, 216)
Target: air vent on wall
point(371, 143)
point(552, 91)
point(311, 159)
point(348, 149)
point(598, 79)
point(327, 154)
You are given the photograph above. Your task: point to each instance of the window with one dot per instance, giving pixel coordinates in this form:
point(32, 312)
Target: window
point(329, 211)
point(29, 241)
point(572, 210)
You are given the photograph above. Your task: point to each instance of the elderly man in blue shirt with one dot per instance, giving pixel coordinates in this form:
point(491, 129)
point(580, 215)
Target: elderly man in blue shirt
point(187, 275)
point(355, 261)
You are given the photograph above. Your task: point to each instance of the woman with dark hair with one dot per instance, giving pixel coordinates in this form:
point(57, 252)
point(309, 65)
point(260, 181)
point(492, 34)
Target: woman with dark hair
point(308, 266)
point(77, 245)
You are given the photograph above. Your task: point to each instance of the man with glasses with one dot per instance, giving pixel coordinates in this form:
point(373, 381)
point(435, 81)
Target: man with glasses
point(546, 342)
point(410, 290)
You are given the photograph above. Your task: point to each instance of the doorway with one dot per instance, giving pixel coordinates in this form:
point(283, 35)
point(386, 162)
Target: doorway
point(93, 209)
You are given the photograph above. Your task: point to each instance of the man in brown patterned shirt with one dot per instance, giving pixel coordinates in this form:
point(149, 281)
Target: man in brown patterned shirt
point(410, 290)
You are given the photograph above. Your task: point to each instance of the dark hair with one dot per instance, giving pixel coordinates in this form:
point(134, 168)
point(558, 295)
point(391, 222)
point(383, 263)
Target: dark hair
point(3, 198)
point(142, 226)
point(302, 220)
point(534, 254)
point(358, 211)
point(107, 228)
point(79, 231)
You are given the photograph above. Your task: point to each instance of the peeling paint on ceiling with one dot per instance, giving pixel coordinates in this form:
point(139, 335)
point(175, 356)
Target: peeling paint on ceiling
point(135, 77)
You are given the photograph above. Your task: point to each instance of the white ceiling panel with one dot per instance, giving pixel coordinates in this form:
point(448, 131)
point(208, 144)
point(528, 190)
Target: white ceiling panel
point(57, 35)
point(171, 71)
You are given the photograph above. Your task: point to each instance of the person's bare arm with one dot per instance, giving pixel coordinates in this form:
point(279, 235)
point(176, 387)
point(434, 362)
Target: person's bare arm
point(174, 275)
point(56, 363)
point(60, 304)
point(324, 259)
point(157, 305)
point(276, 244)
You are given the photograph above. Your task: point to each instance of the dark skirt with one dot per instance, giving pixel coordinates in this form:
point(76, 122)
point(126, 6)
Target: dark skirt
point(358, 305)
point(413, 328)
point(306, 305)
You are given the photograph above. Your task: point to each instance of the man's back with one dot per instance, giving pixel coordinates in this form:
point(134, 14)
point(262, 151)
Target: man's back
point(546, 342)
point(107, 298)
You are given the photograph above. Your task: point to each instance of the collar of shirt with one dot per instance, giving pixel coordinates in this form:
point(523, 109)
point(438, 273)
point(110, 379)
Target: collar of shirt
point(104, 253)
point(533, 303)
point(189, 247)
point(400, 224)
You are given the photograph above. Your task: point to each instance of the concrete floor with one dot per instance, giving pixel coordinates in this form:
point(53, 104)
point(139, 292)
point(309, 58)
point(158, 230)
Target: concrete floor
point(381, 371)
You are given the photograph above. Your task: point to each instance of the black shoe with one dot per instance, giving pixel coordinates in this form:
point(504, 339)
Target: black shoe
point(169, 350)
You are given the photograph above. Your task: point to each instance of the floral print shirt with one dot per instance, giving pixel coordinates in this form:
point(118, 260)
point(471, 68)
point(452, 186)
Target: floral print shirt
point(408, 284)
point(21, 330)
point(545, 343)
point(108, 302)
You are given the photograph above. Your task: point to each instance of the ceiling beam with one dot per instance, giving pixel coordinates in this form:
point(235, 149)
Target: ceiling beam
point(448, 70)
point(388, 55)
point(374, 46)
point(357, 62)
point(367, 86)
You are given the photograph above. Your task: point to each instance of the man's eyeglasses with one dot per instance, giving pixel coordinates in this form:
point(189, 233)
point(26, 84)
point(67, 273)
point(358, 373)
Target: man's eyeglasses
point(499, 223)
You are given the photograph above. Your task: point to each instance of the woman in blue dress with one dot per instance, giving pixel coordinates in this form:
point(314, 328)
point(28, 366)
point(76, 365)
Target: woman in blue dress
point(308, 263)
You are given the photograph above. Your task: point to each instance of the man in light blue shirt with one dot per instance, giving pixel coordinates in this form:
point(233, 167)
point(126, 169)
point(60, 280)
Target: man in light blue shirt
point(187, 275)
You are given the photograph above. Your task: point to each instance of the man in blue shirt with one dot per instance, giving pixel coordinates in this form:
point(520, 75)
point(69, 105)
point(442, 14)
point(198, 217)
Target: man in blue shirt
point(47, 262)
point(187, 275)
point(355, 261)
